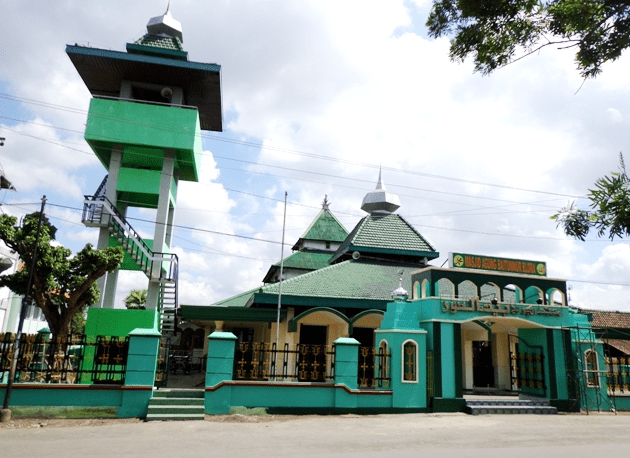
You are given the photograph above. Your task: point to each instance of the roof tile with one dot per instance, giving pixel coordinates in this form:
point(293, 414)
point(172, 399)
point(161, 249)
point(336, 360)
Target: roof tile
point(325, 227)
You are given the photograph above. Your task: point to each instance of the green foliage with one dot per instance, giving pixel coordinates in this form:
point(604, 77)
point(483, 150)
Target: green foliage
point(136, 299)
point(497, 32)
point(610, 203)
point(78, 322)
point(62, 284)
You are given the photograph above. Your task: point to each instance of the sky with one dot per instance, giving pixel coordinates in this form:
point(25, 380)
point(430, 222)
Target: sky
point(317, 95)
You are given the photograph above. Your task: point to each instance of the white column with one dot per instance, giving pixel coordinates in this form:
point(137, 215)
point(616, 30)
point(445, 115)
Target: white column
point(107, 283)
point(161, 221)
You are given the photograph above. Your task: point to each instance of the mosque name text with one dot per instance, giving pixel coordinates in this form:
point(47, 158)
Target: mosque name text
point(498, 309)
point(518, 266)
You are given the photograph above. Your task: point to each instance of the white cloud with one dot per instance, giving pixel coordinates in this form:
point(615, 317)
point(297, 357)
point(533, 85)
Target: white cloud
point(615, 115)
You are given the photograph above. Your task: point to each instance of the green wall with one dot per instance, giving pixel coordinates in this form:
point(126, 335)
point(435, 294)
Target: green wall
point(25, 394)
point(153, 127)
point(118, 322)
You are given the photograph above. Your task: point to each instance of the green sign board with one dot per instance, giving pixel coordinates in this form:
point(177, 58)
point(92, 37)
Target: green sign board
point(513, 266)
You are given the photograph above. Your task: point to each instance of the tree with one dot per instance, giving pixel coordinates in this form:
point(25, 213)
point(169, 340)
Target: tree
point(62, 284)
point(136, 299)
point(610, 203)
point(497, 32)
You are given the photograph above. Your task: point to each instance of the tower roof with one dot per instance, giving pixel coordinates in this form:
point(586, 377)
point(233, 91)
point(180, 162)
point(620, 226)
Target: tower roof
point(156, 58)
point(165, 25)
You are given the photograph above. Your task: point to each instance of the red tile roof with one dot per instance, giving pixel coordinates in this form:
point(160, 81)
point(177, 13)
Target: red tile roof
point(609, 319)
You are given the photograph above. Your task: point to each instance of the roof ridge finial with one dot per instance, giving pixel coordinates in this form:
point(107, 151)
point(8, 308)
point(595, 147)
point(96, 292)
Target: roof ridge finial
point(325, 203)
point(168, 8)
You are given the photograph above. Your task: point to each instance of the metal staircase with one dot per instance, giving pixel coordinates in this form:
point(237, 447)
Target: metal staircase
point(98, 211)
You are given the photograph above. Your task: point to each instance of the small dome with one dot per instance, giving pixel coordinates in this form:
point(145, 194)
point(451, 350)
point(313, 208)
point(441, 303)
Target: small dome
point(379, 200)
point(165, 25)
point(400, 294)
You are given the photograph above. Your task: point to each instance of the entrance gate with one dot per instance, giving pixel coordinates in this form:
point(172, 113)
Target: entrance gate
point(527, 373)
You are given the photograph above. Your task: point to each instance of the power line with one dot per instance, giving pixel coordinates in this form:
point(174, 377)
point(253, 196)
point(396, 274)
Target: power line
point(283, 149)
point(337, 177)
point(193, 229)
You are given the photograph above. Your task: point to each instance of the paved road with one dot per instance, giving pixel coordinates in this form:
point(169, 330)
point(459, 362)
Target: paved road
point(426, 435)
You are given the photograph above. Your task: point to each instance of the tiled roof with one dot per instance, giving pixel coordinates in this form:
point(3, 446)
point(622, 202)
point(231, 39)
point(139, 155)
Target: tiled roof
point(347, 280)
point(308, 260)
point(621, 345)
point(609, 319)
point(386, 232)
point(240, 300)
point(325, 227)
point(154, 41)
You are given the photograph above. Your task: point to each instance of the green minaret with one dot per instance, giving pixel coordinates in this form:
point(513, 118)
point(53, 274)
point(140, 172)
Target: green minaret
point(148, 108)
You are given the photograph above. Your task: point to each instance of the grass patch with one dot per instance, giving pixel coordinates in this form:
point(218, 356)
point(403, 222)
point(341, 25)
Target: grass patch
point(240, 410)
point(45, 412)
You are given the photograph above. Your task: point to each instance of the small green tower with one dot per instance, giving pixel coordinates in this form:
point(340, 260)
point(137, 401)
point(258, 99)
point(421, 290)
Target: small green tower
point(148, 108)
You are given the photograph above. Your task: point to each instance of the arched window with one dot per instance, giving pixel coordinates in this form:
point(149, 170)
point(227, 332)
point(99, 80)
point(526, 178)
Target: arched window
point(591, 363)
point(426, 288)
point(533, 294)
point(467, 290)
point(445, 288)
point(416, 292)
point(410, 362)
point(512, 294)
point(489, 291)
point(555, 297)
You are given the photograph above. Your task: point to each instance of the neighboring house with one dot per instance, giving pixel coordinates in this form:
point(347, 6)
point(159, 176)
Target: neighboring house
point(11, 303)
point(613, 328)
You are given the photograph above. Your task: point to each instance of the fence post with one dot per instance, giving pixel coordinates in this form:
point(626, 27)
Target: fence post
point(346, 371)
point(140, 374)
point(219, 368)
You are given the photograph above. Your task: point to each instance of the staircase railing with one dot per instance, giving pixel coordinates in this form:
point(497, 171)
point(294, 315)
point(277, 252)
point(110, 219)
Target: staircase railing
point(93, 212)
point(163, 267)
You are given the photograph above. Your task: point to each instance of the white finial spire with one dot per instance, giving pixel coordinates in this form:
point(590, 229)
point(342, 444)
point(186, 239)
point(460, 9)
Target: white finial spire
point(380, 201)
point(380, 184)
point(400, 294)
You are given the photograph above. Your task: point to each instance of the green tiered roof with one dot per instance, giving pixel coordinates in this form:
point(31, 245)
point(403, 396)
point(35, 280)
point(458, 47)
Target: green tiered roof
point(349, 284)
point(346, 280)
point(307, 260)
point(388, 234)
point(325, 227)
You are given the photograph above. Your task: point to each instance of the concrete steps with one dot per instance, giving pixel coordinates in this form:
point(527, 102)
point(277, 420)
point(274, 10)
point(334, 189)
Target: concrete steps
point(176, 405)
point(510, 407)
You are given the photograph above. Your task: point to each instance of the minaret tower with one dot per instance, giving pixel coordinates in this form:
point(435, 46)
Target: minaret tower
point(148, 108)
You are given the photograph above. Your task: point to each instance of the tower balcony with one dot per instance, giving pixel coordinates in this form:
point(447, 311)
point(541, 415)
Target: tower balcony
point(144, 131)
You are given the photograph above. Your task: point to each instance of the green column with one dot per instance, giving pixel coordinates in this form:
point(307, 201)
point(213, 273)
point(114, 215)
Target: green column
point(346, 366)
point(219, 368)
point(140, 375)
point(408, 374)
point(447, 367)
